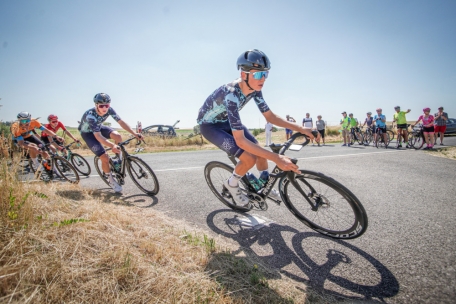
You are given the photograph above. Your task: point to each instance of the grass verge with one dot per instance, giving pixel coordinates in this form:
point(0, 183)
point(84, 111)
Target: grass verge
point(449, 152)
point(60, 243)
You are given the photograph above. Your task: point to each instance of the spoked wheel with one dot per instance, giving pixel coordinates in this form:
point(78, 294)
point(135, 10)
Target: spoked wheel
point(216, 173)
point(65, 169)
point(336, 212)
point(390, 134)
point(367, 138)
point(142, 175)
point(104, 177)
point(416, 141)
point(360, 138)
point(351, 138)
point(80, 164)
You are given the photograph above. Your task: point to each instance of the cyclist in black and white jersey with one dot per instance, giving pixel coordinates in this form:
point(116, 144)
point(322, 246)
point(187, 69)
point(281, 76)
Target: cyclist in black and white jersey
point(220, 122)
point(96, 135)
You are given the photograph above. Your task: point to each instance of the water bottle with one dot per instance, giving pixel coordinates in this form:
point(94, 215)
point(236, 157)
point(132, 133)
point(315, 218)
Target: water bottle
point(117, 163)
point(264, 177)
point(253, 181)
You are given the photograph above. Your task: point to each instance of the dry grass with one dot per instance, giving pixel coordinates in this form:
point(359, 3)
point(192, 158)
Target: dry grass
point(449, 152)
point(60, 243)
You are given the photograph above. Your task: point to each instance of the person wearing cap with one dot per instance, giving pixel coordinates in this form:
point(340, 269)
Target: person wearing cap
point(401, 124)
point(380, 124)
point(354, 127)
point(289, 132)
point(440, 120)
point(428, 127)
point(321, 126)
point(307, 122)
point(369, 121)
point(345, 123)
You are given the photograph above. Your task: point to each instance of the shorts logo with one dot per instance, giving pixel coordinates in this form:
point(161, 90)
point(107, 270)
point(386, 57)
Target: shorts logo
point(227, 144)
point(95, 148)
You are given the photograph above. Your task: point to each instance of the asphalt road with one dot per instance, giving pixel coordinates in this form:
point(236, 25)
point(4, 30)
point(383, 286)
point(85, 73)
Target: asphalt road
point(407, 255)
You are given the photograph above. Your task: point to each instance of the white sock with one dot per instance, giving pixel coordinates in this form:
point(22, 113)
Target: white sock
point(35, 162)
point(233, 181)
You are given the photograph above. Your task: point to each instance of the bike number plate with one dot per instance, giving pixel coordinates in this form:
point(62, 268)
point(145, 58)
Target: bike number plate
point(295, 147)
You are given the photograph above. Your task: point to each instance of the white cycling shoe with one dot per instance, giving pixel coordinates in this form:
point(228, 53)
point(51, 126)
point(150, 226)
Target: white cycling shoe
point(275, 195)
point(238, 197)
point(114, 185)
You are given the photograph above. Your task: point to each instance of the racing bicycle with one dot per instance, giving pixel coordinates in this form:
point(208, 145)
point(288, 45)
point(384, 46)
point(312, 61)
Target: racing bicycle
point(355, 135)
point(379, 141)
point(416, 137)
point(78, 162)
point(317, 200)
point(140, 172)
point(56, 167)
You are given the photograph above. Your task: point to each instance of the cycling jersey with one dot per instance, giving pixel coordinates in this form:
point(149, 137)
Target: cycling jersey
point(20, 132)
point(225, 103)
point(399, 117)
point(379, 122)
point(91, 121)
point(426, 120)
point(369, 121)
point(307, 122)
point(49, 126)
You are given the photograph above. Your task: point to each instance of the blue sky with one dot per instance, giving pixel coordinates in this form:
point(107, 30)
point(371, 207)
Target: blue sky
point(159, 60)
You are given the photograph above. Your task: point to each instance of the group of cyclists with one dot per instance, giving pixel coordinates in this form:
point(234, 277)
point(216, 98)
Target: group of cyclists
point(219, 120)
point(92, 130)
point(433, 126)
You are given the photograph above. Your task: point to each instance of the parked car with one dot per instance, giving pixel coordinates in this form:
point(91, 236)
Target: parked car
point(451, 126)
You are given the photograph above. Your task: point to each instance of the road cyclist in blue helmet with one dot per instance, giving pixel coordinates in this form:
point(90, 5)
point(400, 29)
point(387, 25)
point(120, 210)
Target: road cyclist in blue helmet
point(220, 123)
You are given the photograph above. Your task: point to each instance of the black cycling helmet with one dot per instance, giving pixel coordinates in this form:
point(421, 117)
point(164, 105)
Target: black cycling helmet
point(253, 59)
point(24, 115)
point(102, 98)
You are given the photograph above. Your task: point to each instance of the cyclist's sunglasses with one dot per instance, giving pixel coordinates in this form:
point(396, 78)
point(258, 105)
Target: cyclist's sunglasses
point(24, 121)
point(259, 75)
point(101, 105)
point(56, 121)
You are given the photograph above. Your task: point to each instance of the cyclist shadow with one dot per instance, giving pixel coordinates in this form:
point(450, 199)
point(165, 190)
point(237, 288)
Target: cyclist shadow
point(137, 200)
point(333, 267)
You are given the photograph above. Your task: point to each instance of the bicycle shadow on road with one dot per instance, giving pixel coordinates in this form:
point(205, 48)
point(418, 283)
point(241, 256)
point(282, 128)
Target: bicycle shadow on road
point(137, 200)
point(329, 266)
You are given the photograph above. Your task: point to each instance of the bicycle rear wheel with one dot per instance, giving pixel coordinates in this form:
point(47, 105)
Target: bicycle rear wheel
point(80, 164)
point(216, 173)
point(142, 175)
point(65, 169)
point(367, 138)
point(337, 213)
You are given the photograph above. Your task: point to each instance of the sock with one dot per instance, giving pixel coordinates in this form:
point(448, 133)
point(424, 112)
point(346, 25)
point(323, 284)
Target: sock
point(119, 156)
point(35, 162)
point(233, 181)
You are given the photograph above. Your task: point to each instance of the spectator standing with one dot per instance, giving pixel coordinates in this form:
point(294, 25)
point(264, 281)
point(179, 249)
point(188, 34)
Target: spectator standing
point(321, 126)
point(440, 121)
point(268, 131)
point(308, 123)
point(289, 132)
point(345, 123)
point(401, 124)
point(428, 128)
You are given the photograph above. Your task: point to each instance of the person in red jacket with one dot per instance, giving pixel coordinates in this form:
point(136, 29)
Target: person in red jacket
point(54, 125)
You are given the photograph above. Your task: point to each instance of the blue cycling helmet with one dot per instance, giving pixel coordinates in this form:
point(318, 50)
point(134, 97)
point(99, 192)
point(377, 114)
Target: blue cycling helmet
point(253, 59)
point(102, 98)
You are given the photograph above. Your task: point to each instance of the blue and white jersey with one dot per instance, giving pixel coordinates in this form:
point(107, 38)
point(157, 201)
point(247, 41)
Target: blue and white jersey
point(226, 102)
point(380, 123)
point(91, 121)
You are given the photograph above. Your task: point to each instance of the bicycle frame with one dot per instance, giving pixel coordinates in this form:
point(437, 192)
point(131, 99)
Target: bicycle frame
point(278, 173)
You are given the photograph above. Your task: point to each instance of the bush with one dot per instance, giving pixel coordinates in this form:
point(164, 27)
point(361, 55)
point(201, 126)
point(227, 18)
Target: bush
point(256, 132)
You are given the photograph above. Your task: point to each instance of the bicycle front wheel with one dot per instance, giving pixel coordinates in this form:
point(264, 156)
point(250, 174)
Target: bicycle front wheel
point(65, 169)
point(336, 211)
point(80, 164)
point(216, 173)
point(142, 175)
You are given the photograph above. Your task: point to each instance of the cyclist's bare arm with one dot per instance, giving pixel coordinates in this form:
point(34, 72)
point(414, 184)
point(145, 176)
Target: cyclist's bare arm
point(49, 132)
point(127, 128)
point(279, 121)
point(283, 162)
point(71, 135)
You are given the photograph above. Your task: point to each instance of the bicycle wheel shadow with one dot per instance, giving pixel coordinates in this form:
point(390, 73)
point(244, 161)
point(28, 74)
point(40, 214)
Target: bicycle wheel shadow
point(137, 200)
point(329, 266)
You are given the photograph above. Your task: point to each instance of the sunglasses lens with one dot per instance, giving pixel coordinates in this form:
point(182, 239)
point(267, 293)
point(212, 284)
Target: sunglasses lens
point(259, 75)
point(24, 121)
point(103, 106)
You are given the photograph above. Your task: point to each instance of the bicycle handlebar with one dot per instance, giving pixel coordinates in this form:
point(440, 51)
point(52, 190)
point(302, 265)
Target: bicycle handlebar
point(128, 141)
point(285, 146)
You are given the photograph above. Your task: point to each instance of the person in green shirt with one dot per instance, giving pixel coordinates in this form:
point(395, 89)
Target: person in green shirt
point(354, 128)
point(345, 123)
point(401, 124)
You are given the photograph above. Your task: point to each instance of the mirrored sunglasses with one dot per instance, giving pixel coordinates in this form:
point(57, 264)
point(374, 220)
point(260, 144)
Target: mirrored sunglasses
point(24, 121)
point(55, 121)
point(259, 75)
point(100, 105)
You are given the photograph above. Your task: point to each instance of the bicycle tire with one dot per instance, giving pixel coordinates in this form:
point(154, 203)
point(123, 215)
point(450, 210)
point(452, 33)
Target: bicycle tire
point(416, 141)
point(80, 164)
point(139, 170)
point(99, 169)
point(65, 169)
point(337, 204)
point(216, 173)
point(390, 134)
